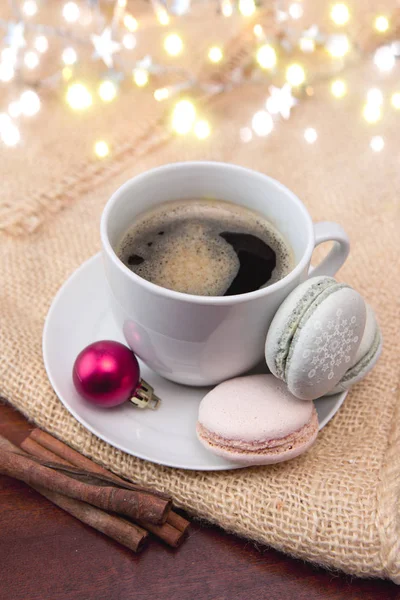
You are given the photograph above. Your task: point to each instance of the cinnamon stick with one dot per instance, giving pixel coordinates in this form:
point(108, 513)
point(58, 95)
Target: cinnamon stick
point(178, 522)
point(73, 457)
point(94, 489)
point(173, 532)
point(126, 533)
point(68, 454)
point(120, 530)
point(167, 533)
point(35, 449)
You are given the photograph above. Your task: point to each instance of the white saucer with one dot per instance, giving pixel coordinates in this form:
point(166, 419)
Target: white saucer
point(80, 315)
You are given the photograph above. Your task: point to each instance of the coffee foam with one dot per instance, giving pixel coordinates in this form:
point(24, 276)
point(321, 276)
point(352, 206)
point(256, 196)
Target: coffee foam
point(182, 249)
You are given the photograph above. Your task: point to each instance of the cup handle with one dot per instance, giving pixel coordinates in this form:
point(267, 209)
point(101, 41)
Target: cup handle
point(326, 231)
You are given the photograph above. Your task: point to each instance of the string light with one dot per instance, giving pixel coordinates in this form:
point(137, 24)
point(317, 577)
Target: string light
point(372, 113)
point(16, 36)
point(105, 46)
point(296, 10)
point(161, 94)
point(71, 12)
point(258, 30)
point(395, 48)
point(310, 135)
point(69, 56)
point(281, 16)
point(215, 54)
point(67, 73)
point(173, 44)
point(10, 134)
point(9, 56)
point(375, 96)
point(31, 59)
point(101, 149)
point(340, 14)
point(29, 103)
point(307, 44)
point(162, 16)
point(29, 8)
point(247, 7)
point(183, 117)
point(118, 33)
point(395, 100)
point(266, 57)
point(227, 8)
point(338, 88)
point(381, 24)
point(129, 41)
point(79, 97)
point(140, 77)
point(384, 58)
point(41, 43)
point(281, 101)
point(295, 75)
point(262, 123)
point(130, 23)
point(338, 45)
point(202, 129)
point(107, 91)
point(6, 72)
point(377, 144)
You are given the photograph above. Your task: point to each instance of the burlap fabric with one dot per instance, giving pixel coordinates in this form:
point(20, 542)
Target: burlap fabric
point(338, 505)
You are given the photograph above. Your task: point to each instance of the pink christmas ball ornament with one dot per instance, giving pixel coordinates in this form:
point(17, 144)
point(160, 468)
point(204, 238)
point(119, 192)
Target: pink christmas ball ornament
point(107, 374)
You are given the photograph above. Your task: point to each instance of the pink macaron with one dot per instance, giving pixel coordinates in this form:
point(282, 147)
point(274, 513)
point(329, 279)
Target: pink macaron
point(255, 420)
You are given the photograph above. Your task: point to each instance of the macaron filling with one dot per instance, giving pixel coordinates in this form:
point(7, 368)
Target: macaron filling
point(312, 307)
point(274, 446)
point(365, 362)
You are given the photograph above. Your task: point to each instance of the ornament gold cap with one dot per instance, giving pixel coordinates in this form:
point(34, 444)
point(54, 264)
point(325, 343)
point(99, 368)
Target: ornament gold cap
point(145, 397)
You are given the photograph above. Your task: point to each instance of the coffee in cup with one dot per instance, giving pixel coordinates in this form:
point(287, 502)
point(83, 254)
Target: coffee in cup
point(206, 247)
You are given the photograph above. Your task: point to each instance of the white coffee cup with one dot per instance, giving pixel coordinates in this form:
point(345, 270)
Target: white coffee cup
point(203, 340)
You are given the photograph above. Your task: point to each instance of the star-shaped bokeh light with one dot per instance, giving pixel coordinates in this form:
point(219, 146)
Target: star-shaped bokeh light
point(281, 101)
point(105, 46)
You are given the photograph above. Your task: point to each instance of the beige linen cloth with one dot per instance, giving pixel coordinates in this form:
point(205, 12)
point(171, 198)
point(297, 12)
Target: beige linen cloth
point(337, 505)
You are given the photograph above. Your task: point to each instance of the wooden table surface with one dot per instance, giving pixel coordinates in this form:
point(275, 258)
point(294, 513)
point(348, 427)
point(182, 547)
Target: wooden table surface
point(45, 554)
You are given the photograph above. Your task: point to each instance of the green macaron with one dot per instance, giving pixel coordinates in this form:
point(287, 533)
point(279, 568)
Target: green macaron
point(315, 336)
point(367, 354)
